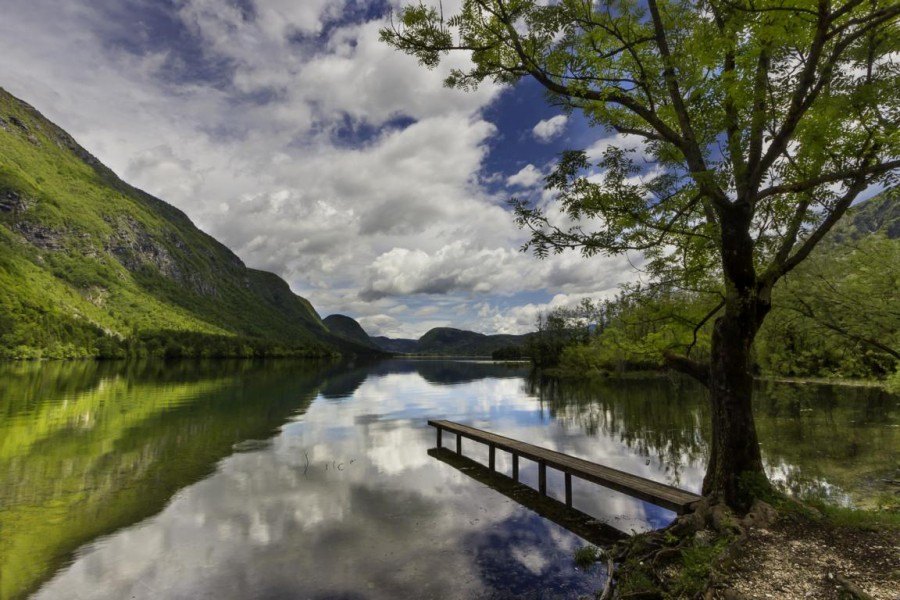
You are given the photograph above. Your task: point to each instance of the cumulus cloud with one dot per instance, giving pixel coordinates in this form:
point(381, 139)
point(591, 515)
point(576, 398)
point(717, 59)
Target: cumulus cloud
point(549, 129)
point(632, 143)
point(528, 176)
point(301, 142)
point(455, 267)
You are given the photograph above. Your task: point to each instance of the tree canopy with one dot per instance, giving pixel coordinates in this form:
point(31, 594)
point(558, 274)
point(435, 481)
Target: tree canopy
point(771, 116)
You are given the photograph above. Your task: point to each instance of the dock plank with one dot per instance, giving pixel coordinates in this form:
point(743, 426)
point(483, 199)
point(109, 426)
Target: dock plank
point(663, 495)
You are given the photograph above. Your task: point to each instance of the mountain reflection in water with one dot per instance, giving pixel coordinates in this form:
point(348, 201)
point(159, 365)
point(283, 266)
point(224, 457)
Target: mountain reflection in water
point(237, 479)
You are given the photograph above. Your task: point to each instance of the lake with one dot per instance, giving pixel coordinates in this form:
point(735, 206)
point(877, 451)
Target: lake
point(285, 479)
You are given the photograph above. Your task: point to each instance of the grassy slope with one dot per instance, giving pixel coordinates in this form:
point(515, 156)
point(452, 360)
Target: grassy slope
point(85, 257)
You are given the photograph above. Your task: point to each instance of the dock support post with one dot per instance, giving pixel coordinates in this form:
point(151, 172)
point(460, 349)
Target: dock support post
point(458, 444)
point(542, 478)
point(516, 468)
point(491, 457)
point(569, 490)
point(439, 432)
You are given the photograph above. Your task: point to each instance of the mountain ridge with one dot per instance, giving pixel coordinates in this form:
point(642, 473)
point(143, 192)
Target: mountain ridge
point(93, 266)
point(438, 341)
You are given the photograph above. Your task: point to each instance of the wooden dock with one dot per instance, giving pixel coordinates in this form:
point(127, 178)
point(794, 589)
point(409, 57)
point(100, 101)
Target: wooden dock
point(656, 493)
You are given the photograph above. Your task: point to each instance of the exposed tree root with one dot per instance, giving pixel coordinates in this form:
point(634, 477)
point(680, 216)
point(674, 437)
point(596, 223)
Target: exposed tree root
point(686, 559)
point(852, 589)
point(795, 552)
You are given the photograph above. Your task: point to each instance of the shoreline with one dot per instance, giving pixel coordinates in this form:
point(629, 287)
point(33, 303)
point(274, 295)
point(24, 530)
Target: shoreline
point(648, 374)
point(552, 372)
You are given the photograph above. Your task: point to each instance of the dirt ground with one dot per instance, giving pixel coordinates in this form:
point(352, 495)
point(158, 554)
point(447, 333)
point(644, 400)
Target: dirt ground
point(797, 558)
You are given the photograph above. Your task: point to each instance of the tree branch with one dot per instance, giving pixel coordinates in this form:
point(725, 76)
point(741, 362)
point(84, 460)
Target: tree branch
point(691, 149)
point(776, 271)
point(808, 184)
point(703, 322)
point(683, 364)
point(801, 98)
point(808, 312)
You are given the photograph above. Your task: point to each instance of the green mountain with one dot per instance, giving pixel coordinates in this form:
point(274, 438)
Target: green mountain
point(91, 266)
point(836, 314)
point(349, 329)
point(878, 214)
point(396, 345)
point(446, 340)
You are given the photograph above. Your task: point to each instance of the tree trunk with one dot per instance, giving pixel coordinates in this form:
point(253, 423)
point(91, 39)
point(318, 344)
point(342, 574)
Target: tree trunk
point(735, 473)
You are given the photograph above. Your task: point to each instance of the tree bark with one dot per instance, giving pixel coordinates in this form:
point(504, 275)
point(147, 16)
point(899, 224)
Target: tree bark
point(734, 473)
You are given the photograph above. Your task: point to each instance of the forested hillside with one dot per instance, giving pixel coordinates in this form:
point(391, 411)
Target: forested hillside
point(91, 266)
point(837, 315)
point(347, 328)
point(446, 340)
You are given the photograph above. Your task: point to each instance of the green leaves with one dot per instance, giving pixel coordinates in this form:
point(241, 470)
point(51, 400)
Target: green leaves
point(429, 28)
point(837, 314)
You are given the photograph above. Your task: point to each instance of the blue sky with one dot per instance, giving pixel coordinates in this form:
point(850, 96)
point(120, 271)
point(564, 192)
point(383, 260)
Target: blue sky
point(288, 132)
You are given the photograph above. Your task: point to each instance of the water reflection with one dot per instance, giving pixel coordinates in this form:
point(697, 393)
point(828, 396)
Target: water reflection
point(583, 525)
point(841, 443)
point(288, 479)
point(88, 448)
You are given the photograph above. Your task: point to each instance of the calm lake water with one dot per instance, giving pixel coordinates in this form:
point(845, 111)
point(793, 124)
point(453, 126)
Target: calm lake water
point(284, 479)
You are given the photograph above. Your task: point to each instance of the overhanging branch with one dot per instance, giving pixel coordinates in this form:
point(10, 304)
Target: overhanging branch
point(683, 364)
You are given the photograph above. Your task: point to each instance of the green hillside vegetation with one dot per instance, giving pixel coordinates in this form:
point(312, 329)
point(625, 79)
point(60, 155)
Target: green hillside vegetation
point(450, 341)
point(349, 329)
point(836, 316)
point(92, 267)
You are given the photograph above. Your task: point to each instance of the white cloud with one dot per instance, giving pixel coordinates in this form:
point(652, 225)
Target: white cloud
point(528, 176)
point(455, 267)
point(548, 129)
point(632, 143)
point(523, 318)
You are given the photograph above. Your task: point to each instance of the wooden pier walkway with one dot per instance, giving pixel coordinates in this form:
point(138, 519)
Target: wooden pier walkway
point(660, 494)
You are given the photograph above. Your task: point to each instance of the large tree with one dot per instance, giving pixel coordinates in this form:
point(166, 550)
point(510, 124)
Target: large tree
point(758, 121)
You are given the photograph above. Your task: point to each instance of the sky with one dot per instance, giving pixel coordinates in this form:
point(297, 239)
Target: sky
point(286, 130)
